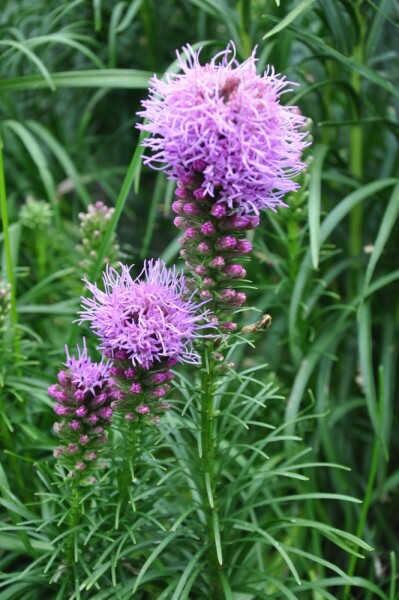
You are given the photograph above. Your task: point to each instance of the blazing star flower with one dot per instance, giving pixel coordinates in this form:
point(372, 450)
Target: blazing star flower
point(146, 320)
point(84, 396)
point(221, 129)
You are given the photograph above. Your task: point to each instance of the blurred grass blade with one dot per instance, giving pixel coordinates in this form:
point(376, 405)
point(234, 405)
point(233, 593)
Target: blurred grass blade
point(387, 224)
point(365, 336)
point(151, 559)
point(98, 78)
point(290, 17)
point(67, 40)
point(65, 161)
point(48, 81)
point(319, 153)
point(6, 233)
point(40, 160)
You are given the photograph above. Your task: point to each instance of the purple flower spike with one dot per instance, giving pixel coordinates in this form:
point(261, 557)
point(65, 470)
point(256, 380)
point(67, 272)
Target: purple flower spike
point(83, 387)
point(147, 319)
point(226, 123)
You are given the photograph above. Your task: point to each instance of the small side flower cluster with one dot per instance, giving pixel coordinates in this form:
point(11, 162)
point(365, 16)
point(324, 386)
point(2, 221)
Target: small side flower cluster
point(36, 214)
point(93, 225)
point(145, 325)
point(84, 397)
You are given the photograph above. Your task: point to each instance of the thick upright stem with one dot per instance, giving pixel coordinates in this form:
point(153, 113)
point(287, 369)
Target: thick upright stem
point(209, 476)
point(73, 521)
point(132, 435)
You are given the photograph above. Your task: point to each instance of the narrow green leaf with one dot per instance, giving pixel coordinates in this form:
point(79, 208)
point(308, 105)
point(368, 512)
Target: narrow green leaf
point(38, 157)
point(48, 81)
point(319, 154)
point(366, 365)
point(387, 224)
point(151, 559)
point(209, 489)
point(97, 78)
point(290, 17)
point(182, 588)
point(63, 158)
point(131, 12)
point(216, 534)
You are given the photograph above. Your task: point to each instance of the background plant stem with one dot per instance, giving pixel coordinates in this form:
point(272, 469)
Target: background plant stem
point(209, 480)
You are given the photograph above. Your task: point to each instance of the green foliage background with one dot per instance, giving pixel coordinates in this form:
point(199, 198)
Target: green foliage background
point(326, 268)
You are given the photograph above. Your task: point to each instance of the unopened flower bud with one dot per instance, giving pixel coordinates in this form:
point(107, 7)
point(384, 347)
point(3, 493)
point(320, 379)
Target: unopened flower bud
point(135, 388)
point(63, 378)
point(206, 295)
point(235, 271)
point(208, 282)
point(130, 373)
point(191, 233)
point(228, 326)
point(240, 298)
point(181, 193)
point(105, 413)
point(159, 392)
point(90, 456)
point(81, 411)
point(177, 207)
point(243, 247)
point(217, 262)
point(200, 270)
point(180, 223)
point(192, 210)
point(203, 248)
point(218, 211)
point(240, 222)
point(226, 243)
point(208, 229)
point(143, 409)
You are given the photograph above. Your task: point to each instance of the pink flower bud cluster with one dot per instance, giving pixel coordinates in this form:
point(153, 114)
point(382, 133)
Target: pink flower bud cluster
point(143, 390)
point(83, 396)
point(213, 246)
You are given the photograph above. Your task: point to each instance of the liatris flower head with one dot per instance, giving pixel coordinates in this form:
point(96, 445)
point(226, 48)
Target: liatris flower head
point(220, 128)
point(83, 397)
point(146, 320)
point(93, 225)
point(36, 214)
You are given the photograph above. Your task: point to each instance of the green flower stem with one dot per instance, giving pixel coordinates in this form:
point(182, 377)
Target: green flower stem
point(132, 435)
point(375, 459)
point(74, 519)
point(207, 456)
point(7, 243)
point(357, 142)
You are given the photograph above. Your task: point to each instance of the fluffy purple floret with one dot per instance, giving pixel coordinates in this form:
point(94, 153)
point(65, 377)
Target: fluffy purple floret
point(148, 319)
point(88, 376)
point(229, 120)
